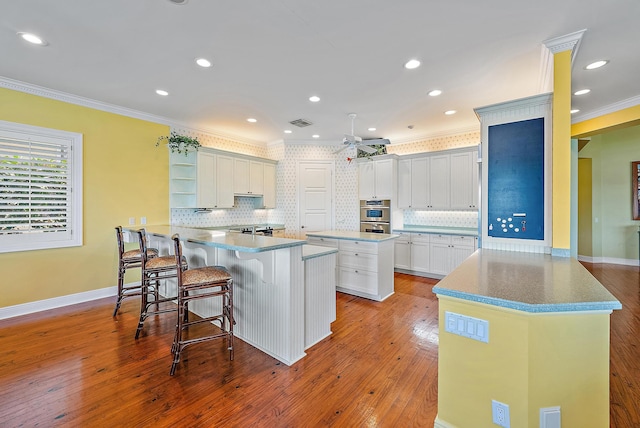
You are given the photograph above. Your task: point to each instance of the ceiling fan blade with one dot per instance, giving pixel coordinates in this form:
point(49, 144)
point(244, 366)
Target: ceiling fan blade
point(376, 141)
point(352, 138)
point(367, 149)
point(342, 149)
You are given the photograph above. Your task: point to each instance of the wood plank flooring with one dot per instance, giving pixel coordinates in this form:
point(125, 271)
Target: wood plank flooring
point(78, 366)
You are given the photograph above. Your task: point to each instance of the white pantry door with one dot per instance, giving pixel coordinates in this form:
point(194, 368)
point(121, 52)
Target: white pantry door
point(315, 196)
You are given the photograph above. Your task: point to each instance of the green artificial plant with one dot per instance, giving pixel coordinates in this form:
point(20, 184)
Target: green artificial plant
point(180, 143)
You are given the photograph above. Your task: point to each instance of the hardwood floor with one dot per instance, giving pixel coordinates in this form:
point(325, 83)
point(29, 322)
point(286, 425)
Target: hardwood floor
point(78, 366)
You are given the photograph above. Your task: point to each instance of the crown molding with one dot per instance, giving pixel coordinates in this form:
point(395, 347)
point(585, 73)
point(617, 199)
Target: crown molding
point(53, 94)
point(611, 108)
point(567, 42)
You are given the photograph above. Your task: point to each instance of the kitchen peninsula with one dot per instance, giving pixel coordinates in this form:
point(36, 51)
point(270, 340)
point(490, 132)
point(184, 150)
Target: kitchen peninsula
point(526, 329)
point(269, 284)
point(365, 261)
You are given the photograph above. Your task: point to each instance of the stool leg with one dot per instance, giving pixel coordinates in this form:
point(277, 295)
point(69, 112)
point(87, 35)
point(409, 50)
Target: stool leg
point(144, 291)
point(121, 271)
point(176, 348)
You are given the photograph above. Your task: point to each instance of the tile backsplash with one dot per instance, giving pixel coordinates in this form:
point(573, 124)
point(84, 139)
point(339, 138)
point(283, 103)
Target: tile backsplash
point(441, 218)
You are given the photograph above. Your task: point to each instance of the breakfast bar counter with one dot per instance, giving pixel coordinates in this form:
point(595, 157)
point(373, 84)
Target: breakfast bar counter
point(269, 284)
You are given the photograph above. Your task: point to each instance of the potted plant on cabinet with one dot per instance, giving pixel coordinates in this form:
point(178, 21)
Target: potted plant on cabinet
point(180, 143)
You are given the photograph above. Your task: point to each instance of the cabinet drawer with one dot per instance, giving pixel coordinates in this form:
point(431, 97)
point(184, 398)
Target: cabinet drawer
point(325, 242)
point(421, 237)
point(402, 237)
point(359, 246)
point(463, 241)
point(358, 280)
point(440, 239)
point(358, 260)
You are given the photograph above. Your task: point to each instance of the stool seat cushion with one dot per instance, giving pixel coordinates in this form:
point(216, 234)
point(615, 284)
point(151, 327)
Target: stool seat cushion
point(134, 255)
point(204, 275)
point(164, 262)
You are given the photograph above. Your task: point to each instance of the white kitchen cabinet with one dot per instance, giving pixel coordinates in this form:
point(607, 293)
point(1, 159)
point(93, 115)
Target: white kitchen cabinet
point(212, 191)
point(420, 189)
point(248, 177)
point(404, 183)
point(412, 252)
point(439, 182)
point(377, 178)
point(269, 193)
point(464, 180)
point(364, 268)
point(448, 251)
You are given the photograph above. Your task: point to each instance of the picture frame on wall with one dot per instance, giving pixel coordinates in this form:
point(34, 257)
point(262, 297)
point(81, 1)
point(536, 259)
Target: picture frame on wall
point(635, 189)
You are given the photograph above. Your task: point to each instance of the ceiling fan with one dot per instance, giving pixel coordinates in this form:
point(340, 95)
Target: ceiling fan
point(352, 140)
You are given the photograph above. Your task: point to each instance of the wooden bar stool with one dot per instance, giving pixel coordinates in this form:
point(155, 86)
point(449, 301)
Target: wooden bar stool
point(128, 260)
point(209, 282)
point(154, 270)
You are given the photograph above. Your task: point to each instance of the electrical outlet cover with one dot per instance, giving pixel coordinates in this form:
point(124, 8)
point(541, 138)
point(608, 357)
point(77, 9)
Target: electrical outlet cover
point(500, 412)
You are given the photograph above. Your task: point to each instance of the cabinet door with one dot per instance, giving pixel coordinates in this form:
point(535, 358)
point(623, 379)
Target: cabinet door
point(420, 257)
point(475, 177)
point(384, 179)
point(224, 172)
point(205, 182)
point(256, 178)
point(241, 176)
point(440, 258)
point(402, 252)
point(366, 180)
point(461, 181)
point(439, 182)
point(269, 193)
point(420, 194)
point(404, 183)
point(459, 254)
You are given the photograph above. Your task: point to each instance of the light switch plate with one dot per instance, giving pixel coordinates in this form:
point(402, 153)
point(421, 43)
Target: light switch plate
point(466, 326)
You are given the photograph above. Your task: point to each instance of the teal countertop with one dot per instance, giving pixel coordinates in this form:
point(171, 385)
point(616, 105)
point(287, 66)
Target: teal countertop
point(444, 230)
point(312, 251)
point(225, 240)
point(528, 282)
point(353, 236)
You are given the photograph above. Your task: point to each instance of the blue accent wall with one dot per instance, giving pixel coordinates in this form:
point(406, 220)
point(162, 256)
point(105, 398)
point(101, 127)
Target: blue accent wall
point(515, 190)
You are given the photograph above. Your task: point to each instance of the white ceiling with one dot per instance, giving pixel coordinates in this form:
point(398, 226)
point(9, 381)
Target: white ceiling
point(269, 56)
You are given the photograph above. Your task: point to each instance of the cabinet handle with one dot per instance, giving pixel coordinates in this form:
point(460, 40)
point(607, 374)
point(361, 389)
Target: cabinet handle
point(356, 254)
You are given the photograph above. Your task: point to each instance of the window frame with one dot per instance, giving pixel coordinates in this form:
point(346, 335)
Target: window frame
point(15, 242)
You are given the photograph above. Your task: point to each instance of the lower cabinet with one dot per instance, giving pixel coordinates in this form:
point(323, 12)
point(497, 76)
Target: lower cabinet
point(431, 254)
point(363, 268)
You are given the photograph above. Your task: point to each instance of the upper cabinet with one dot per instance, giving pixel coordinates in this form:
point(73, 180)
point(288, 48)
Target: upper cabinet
point(248, 177)
point(210, 178)
point(439, 180)
point(377, 178)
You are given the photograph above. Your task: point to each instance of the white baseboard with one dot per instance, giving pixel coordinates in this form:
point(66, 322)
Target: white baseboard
point(56, 302)
point(609, 260)
point(439, 423)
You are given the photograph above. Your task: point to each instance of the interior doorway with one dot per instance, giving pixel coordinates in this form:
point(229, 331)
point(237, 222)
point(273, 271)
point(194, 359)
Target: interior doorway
point(315, 196)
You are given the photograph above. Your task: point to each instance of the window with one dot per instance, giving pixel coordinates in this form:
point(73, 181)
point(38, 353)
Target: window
point(40, 188)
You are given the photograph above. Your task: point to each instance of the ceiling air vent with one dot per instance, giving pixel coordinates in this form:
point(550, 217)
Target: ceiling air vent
point(301, 123)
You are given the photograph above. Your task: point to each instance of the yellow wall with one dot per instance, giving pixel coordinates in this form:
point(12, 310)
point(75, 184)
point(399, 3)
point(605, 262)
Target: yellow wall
point(561, 170)
point(585, 208)
point(531, 361)
point(608, 122)
point(125, 175)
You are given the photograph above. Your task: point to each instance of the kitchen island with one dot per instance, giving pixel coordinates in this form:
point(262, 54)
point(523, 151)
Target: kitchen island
point(528, 330)
point(269, 284)
point(365, 261)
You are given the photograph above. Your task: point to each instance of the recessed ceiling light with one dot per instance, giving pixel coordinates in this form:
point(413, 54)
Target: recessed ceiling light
point(202, 62)
point(596, 64)
point(411, 64)
point(314, 99)
point(582, 92)
point(180, 2)
point(315, 136)
point(575, 110)
point(450, 112)
point(371, 129)
point(162, 92)
point(287, 131)
point(32, 38)
point(252, 120)
point(435, 93)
